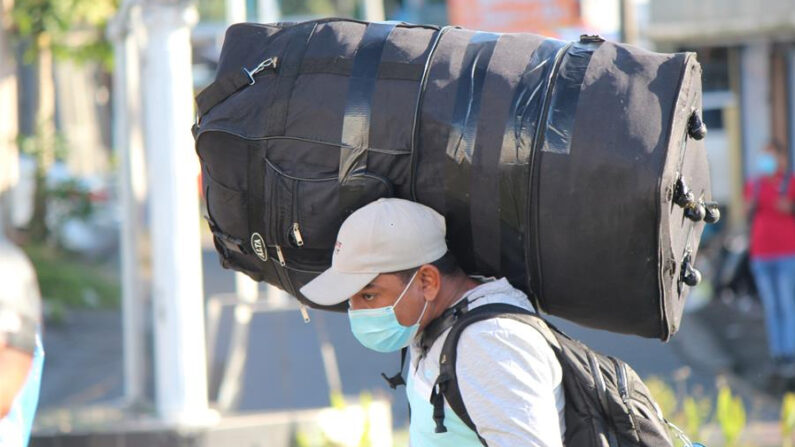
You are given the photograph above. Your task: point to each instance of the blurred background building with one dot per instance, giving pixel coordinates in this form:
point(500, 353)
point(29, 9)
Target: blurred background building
point(90, 117)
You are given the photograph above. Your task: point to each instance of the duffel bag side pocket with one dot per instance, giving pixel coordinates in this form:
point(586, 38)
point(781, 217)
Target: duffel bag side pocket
point(306, 212)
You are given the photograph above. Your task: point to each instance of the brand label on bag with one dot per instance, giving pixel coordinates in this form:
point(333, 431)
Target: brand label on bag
point(258, 245)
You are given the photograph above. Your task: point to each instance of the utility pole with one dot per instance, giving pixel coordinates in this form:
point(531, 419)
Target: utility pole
point(128, 143)
point(372, 10)
point(235, 11)
point(629, 22)
point(268, 11)
point(177, 293)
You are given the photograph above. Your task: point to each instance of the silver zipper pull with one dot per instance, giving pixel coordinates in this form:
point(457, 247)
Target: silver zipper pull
point(304, 313)
point(299, 240)
point(280, 255)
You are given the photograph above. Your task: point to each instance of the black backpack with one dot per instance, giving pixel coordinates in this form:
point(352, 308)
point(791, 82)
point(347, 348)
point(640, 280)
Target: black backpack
point(607, 404)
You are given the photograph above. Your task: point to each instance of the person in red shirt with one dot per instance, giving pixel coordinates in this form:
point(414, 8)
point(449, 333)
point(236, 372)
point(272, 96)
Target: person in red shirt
point(771, 196)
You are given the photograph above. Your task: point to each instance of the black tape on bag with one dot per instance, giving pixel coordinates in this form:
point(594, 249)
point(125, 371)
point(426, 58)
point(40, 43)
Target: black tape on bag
point(565, 96)
point(461, 141)
point(553, 135)
point(508, 203)
point(356, 123)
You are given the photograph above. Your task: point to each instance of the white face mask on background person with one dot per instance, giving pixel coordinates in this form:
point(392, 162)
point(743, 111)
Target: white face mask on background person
point(379, 329)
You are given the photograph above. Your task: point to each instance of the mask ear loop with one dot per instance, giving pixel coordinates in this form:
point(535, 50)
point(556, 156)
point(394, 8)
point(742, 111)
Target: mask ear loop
point(422, 314)
point(403, 293)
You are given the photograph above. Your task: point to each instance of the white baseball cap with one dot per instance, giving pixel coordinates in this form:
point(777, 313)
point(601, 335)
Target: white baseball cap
point(384, 236)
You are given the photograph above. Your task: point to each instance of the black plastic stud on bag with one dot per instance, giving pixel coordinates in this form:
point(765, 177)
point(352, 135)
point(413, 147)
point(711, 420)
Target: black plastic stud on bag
point(683, 196)
point(696, 211)
point(695, 127)
point(690, 275)
point(713, 213)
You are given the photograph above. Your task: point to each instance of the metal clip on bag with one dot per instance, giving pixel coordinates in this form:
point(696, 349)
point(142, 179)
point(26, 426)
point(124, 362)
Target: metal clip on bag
point(575, 169)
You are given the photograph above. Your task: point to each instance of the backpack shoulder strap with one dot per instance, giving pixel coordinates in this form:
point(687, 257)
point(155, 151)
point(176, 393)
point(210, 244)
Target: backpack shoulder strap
point(446, 386)
point(397, 379)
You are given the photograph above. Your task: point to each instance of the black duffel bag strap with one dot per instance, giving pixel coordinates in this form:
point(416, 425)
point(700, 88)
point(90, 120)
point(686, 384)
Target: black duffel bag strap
point(361, 85)
point(446, 387)
point(230, 83)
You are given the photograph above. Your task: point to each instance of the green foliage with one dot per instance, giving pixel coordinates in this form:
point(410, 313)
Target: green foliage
point(788, 418)
point(69, 282)
point(53, 24)
point(318, 437)
point(73, 199)
point(663, 394)
point(730, 415)
point(308, 7)
point(365, 399)
point(696, 412)
point(40, 144)
point(337, 400)
point(211, 10)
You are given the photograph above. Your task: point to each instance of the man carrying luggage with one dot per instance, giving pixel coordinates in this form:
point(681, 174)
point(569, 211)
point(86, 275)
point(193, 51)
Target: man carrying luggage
point(392, 265)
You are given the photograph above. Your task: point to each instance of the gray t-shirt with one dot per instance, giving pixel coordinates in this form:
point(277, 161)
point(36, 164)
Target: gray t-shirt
point(509, 377)
point(20, 303)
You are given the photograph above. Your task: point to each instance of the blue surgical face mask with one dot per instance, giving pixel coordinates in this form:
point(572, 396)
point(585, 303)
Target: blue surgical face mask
point(766, 164)
point(380, 330)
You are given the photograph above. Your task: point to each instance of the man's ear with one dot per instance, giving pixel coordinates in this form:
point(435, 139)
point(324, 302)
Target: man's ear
point(430, 279)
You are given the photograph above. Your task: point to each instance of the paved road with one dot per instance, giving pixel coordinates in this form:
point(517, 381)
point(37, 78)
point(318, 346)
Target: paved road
point(284, 367)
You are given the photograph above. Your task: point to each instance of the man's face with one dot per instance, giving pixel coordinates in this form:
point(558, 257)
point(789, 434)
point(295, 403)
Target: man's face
point(384, 290)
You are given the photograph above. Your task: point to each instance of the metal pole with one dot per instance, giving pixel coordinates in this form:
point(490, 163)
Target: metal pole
point(235, 11)
point(128, 144)
point(268, 11)
point(177, 295)
point(372, 10)
point(629, 22)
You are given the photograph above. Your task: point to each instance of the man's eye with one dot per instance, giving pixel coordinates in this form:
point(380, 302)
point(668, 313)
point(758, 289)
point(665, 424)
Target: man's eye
point(368, 296)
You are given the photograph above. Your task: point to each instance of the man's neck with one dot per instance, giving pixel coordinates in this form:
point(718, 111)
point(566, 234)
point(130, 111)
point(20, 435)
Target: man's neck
point(450, 292)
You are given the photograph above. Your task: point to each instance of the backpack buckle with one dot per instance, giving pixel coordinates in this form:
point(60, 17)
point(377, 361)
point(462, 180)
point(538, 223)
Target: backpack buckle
point(394, 381)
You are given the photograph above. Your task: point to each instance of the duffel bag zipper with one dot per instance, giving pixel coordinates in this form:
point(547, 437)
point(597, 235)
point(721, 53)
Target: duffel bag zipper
point(297, 237)
point(299, 240)
point(293, 266)
point(280, 255)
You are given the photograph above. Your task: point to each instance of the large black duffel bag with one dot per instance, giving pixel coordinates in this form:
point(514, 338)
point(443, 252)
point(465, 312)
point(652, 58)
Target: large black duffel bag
point(573, 169)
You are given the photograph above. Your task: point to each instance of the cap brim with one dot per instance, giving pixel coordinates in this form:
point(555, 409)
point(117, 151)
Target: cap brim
point(332, 287)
